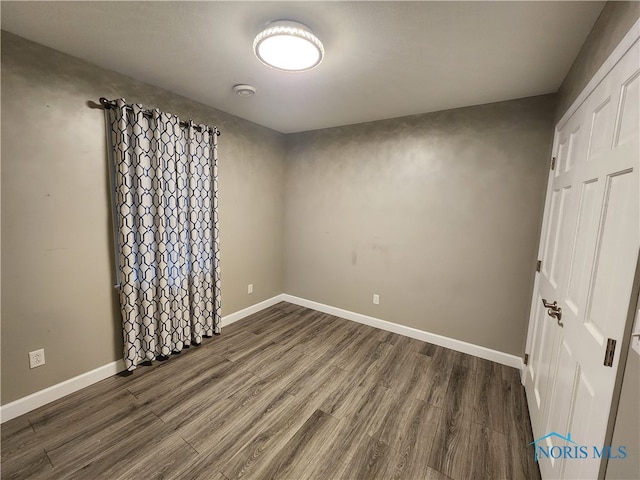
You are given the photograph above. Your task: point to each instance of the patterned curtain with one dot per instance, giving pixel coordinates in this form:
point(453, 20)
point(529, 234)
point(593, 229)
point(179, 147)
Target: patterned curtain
point(165, 207)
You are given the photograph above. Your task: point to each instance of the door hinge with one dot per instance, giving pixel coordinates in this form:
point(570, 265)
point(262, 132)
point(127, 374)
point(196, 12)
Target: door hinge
point(553, 163)
point(610, 352)
point(526, 359)
point(539, 265)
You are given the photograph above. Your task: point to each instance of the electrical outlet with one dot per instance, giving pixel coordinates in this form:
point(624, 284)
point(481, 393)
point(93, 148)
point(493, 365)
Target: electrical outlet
point(36, 358)
point(376, 299)
point(250, 288)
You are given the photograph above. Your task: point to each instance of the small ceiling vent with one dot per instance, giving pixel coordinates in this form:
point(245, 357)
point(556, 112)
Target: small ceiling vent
point(244, 90)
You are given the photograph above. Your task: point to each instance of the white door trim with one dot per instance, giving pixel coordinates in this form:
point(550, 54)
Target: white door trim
point(628, 40)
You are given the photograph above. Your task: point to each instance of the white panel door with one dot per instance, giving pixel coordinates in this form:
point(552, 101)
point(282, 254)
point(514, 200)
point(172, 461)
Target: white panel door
point(546, 332)
point(589, 247)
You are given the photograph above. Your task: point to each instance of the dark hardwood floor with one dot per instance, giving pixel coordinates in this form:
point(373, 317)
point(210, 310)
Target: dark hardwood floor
point(287, 393)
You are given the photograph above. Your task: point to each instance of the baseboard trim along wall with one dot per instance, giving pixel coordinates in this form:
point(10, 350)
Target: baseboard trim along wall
point(50, 394)
point(452, 343)
point(54, 392)
point(245, 312)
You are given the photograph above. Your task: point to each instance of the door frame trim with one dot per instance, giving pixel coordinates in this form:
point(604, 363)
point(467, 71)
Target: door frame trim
point(625, 346)
point(616, 55)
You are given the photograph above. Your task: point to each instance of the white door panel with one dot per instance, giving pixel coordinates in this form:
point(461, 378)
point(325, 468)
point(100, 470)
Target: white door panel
point(589, 247)
point(542, 359)
point(628, 120)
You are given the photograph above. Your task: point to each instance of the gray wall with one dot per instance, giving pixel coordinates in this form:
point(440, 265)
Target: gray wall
point(611, 26)
point(439, 214)
point(57, 269)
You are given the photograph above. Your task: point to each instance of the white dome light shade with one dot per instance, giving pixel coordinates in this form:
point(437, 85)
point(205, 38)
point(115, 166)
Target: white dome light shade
point(288, 46)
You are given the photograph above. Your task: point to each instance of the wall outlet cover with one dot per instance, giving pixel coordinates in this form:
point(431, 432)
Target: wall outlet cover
point(36, 358)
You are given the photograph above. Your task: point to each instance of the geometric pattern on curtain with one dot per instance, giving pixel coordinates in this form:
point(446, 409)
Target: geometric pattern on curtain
point(165, 185)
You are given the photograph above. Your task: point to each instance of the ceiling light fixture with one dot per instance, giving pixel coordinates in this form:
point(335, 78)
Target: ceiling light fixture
point(288, 46)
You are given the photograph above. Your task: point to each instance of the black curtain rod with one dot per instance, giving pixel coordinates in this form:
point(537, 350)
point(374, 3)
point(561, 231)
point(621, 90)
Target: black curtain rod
point(147, 113)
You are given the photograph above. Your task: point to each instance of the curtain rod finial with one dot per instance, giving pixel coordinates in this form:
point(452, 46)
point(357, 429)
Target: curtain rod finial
point(106, 103)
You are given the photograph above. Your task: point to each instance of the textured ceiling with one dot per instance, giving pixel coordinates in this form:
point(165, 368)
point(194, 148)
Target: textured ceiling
point(383, 59)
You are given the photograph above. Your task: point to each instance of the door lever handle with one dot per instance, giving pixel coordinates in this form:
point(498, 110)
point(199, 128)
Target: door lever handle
point(554, 311)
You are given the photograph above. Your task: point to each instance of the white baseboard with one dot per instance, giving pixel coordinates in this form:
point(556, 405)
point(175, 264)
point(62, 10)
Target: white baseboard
point(54, 392)
point(239, 315)
point(50, 394)
point(457, 345)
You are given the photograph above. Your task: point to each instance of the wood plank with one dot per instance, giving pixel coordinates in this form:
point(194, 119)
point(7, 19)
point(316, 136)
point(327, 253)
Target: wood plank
point(374, 360)
point(491, 396)
point(521, 464)
point(255, 344)
point(16, 434)
point(393, 427)
point(156, 457)
point(290, 308)
point(78, 404)
point(345, 348)
point(333, 460)
point(289, 364)
point(418, 433)
point(298, 457)
point(259, 322)
point(511, 374)
point(22, 453)
point(145, 384)
point(357, 399)
point(321, 328)
point(236, 418)
point(450, 451)
point(99, 450)
point(339, 334)
point(428, 349)
point(316, 382)
point(465, 360)
point(434, 388)
point(362, 406)
point(403, 370)
point(85, 425)
point(31, 464)
point(487, 460)
point(371, 460)
point(202, 475)
point(354, 352)
point(294, 331)
point(190, 403)
point(254, 453)
point(264, 362)
point(286, 393)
